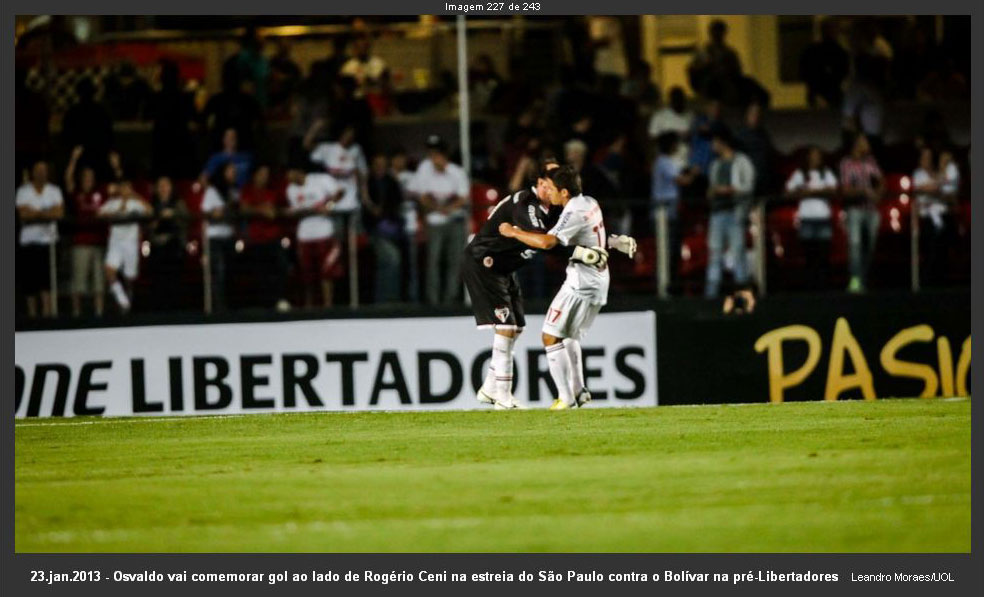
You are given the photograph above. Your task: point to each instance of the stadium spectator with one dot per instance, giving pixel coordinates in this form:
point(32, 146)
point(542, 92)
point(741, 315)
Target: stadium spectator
point(89, 124)
point(639, 89)
point(755, 141)
point(675, 118)
point(285, 76)
point(823, 67)
point(594, 182)
point(233, 108)
point(917, 57)
point(403, 174)
point(715, 72)
point(862, 184)
point(813, 183)
point(608, 42)
point(936, 185)
point(173, 113)
point(229, 154)
point(667, 177)
point(483, 81)
point(123, 210)
point(167, 234)
point(310, 104)
point(344, 160)
point(731, 182)
point(364, 67)
point(260, 203)
point(706, 123)
point(89, 236)
point(384, 220)
point(443, 191)
point(39, 206)
point(250, 66)
point(219, 204)
point(864, 96)
point(311, 198)
point(127, 93)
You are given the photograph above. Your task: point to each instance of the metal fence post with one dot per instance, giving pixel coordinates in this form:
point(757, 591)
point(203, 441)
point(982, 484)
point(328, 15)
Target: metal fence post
point(353, 247)
point(759, 247)
point(914, 244)
point(206, 268)
point(662, 252)
point(53, 276)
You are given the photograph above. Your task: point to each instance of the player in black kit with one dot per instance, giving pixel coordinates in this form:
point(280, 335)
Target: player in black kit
point(489, 272)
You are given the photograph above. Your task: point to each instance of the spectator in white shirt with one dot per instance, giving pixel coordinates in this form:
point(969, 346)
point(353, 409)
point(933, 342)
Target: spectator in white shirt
point(442, 189)
point(39, 205)
point(125, 207)
point(814, 184)
point(312, 198)
point(936, 185)
point(344, 160)
point(220, 200)
point(366, 69)
point(674, 118)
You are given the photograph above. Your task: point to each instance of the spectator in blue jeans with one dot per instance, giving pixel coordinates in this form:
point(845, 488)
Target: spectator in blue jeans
point(731, 180)
point(668, 177)
point(862, 184)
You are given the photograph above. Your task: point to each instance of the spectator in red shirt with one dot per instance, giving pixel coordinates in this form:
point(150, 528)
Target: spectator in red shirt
point(89, 238)
point(261, 204)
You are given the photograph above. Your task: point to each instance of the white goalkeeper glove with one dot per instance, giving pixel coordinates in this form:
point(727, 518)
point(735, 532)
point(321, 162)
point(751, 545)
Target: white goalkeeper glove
point(623, 243)
point(593, 256)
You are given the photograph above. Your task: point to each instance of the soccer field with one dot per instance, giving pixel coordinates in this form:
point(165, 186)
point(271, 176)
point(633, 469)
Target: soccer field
point(890, 475)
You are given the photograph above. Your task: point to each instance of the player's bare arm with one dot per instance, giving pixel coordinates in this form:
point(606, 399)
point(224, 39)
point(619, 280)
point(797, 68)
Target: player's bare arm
point(533, 239)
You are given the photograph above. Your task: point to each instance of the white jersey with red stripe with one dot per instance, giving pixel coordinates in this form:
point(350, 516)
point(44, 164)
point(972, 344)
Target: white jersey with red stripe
point(581, 224)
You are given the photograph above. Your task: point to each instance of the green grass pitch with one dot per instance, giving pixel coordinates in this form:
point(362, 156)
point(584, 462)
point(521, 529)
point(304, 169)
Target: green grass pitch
point(889, 475)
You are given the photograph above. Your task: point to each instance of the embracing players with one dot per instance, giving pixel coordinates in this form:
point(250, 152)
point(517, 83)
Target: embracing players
point(489, 273)
point(584, 291)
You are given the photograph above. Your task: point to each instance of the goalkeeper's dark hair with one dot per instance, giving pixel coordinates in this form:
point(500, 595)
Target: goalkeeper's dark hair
point(546, 165)
point(566, 178)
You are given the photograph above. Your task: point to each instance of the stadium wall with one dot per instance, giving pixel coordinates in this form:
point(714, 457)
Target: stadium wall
point(639, 353)
point(406, 363)
point(826, 347)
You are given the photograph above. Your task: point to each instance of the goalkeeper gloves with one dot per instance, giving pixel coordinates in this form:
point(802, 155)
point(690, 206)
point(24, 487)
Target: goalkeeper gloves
point(593, 256)
point(624, 243)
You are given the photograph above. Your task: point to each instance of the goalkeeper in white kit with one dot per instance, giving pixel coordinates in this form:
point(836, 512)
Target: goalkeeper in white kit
point(585, 291)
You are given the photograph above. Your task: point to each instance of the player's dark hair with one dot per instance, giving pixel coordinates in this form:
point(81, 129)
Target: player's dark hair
point(545, 166)
point(566, 178)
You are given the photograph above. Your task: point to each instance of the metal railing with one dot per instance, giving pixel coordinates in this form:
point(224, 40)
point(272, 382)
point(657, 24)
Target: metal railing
point(661, 277)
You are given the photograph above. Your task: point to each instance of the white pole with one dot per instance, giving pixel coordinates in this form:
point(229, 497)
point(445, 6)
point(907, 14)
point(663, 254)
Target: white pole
point(464, 115)
point(662, 252)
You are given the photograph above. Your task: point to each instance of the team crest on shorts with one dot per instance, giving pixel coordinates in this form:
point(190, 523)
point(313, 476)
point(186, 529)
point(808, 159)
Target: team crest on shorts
point(487, 262)
point(502, 314)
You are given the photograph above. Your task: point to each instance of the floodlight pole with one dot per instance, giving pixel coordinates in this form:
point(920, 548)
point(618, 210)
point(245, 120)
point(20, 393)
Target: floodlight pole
point(464, 115)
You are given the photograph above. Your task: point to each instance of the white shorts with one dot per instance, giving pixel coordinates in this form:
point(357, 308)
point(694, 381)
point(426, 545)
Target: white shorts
point(570, 314)
point(124, 258)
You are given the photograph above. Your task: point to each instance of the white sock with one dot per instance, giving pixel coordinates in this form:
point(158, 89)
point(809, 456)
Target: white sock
point(502, 364)
point(488, 386)
point(577, 369)
point(120, 295)
point(560, 370)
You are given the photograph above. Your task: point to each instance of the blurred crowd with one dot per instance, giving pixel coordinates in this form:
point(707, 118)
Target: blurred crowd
point(293, 225)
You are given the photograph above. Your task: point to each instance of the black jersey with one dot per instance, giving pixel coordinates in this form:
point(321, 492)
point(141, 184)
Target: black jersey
point(506, 255)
